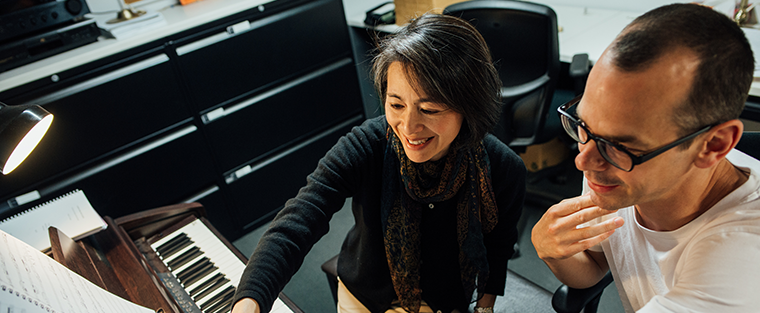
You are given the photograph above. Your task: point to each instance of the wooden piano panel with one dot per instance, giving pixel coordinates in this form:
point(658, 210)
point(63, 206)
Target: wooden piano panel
point(105, 259)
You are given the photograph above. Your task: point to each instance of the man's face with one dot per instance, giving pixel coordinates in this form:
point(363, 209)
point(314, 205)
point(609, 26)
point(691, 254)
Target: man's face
point(636, 109)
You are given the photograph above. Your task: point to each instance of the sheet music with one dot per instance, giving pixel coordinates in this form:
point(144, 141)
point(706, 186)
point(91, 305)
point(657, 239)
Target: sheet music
point(72, 213)
point(32, 282)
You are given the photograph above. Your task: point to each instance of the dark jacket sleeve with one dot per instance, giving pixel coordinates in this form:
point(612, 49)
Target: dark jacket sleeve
point(508, 180)
point(305, 218)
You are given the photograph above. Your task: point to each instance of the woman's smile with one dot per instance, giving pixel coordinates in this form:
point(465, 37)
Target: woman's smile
point(418, 142)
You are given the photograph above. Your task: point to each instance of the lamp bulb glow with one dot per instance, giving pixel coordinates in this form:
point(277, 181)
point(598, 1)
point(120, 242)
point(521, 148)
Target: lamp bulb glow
point(27, 144)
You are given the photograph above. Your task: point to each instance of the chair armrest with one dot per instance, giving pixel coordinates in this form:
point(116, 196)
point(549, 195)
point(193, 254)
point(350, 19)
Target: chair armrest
point(578, 71)
point(579, 67)
point(571, 300)
point(525, 88)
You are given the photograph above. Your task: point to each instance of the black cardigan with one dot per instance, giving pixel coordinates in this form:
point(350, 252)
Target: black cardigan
point(353, 168)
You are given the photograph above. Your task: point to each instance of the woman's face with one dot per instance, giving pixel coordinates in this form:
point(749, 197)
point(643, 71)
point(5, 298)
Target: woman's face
point(426, 129)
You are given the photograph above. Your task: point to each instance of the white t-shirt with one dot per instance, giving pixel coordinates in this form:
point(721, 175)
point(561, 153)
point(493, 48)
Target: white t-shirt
point(711, 264)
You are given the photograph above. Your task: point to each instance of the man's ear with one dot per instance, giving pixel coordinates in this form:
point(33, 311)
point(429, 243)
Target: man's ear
point(718, 142)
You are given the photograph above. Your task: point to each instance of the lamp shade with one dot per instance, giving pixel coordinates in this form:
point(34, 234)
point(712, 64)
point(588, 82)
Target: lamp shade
point(21, 129)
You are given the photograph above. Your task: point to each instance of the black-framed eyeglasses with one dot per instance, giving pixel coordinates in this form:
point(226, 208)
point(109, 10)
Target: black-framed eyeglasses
point(614, 153)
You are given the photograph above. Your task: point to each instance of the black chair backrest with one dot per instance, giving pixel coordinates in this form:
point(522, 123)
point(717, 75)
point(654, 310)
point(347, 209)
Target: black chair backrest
point(522, 37)
point(750, 144)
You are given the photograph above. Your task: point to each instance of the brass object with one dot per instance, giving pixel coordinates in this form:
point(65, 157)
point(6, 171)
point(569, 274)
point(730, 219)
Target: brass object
point(742, 14)
point(125, 15)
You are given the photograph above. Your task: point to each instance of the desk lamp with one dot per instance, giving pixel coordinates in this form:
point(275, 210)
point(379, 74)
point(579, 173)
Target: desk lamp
point(21, 129)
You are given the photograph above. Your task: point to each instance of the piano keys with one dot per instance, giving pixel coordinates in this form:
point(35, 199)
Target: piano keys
point(170, 259)
point(207, 270)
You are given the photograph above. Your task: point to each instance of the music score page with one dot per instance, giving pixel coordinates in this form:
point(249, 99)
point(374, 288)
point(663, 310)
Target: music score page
point(31, 282)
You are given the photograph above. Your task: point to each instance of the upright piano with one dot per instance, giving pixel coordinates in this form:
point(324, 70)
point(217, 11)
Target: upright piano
point(170, 259)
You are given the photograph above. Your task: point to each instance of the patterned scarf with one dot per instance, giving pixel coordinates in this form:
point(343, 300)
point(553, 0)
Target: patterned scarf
point(435, 181)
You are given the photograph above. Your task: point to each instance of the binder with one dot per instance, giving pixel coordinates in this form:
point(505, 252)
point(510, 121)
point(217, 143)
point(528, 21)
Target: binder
point(72, 213)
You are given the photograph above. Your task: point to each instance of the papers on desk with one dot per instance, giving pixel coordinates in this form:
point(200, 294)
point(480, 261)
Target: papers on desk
point(753, 36)
point(32, 282)
point(135, 26)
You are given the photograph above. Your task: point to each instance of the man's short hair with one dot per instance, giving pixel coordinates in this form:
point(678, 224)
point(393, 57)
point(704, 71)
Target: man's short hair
point(724, 74)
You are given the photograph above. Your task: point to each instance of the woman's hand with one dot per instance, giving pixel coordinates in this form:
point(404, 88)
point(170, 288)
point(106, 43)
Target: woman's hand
point(246, 305)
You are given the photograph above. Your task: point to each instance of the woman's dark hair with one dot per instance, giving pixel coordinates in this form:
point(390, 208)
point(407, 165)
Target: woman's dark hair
point(450, 62)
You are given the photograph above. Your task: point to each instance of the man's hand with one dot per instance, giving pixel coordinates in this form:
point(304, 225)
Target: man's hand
point(556, 236)
point(563, 246)
point(246, 305)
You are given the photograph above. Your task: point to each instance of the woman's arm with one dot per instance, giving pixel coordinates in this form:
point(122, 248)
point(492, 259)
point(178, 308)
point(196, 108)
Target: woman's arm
point(305, 218)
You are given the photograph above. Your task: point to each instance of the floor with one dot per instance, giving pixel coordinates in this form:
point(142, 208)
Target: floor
point(309, 290)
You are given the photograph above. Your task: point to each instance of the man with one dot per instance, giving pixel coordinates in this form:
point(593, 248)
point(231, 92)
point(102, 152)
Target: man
point(668, 207)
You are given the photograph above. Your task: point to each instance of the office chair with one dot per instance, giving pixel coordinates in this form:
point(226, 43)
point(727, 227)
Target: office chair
point(522, 37)
point(571, 300)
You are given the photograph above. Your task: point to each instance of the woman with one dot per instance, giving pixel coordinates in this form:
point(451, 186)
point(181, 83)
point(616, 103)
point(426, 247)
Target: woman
point(435, 199)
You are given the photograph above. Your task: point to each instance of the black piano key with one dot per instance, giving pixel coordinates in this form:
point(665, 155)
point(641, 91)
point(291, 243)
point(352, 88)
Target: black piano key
point(205, 284)
point(200, 274)
point(216, 299)
point(177, 248)
point(225, 306)
point(188, 271)
point(211, 289)
point(171, 246)
point(188, 256)
point(166, 245)
point(222, 303)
